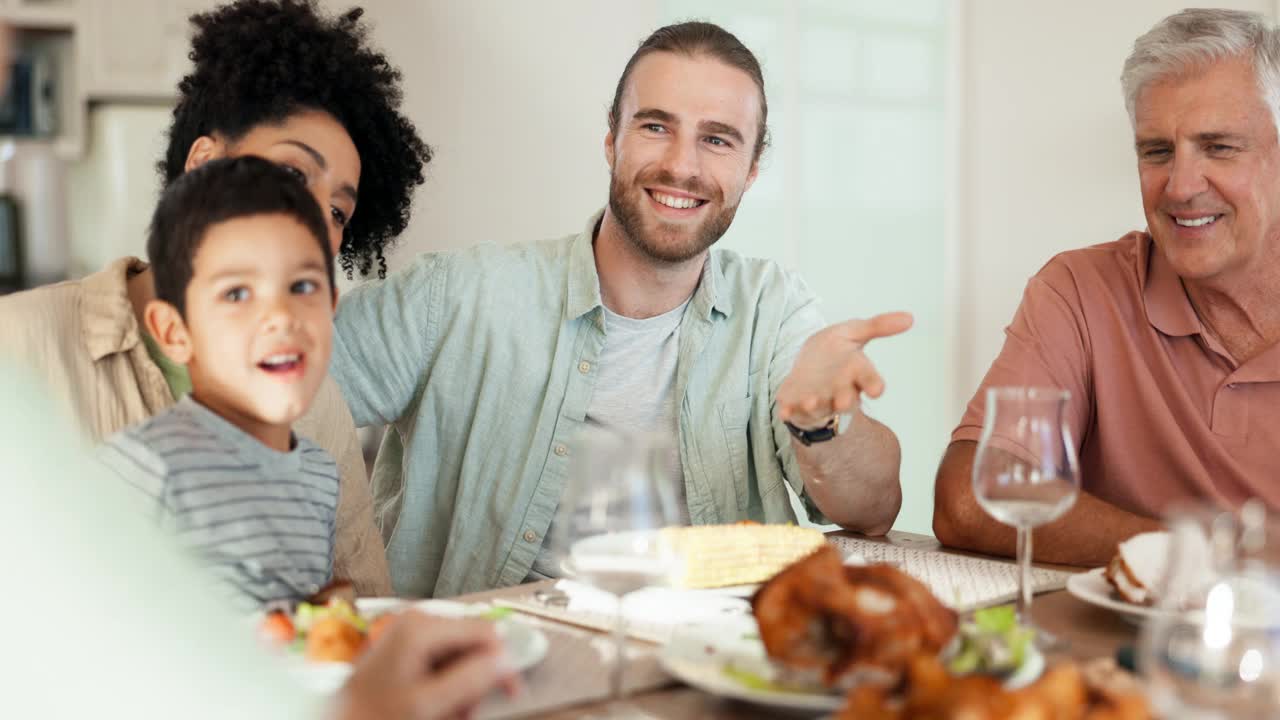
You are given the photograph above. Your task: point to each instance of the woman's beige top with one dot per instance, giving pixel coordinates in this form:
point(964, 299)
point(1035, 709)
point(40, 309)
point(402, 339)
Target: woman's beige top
point(83, 339)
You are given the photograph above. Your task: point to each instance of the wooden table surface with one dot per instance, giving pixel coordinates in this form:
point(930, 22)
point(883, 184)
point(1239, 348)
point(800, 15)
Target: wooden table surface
point(572, 680)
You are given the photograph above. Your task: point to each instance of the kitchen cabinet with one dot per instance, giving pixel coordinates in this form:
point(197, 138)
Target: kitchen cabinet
point(48, 106)
point(44, 15)
point(104, 51)
point(125, 63)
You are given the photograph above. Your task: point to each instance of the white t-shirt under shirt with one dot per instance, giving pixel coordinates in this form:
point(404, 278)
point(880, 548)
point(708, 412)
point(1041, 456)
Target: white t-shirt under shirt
point(634, 393)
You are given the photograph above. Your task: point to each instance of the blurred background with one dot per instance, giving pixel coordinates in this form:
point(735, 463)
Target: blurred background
point(927, 155)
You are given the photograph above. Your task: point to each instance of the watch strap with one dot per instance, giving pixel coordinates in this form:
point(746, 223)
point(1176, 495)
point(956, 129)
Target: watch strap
point(815, 435)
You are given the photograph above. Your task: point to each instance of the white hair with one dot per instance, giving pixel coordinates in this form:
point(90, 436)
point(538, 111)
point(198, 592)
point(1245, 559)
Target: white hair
point(1194, 38)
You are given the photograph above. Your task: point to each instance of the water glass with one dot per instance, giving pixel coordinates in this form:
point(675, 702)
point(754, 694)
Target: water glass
point(1025, 472)
point(620, 493)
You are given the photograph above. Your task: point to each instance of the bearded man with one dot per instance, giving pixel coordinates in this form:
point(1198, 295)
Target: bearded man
point(488, 362)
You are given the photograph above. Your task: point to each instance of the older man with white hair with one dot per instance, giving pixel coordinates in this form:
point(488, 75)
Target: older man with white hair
point(1168, 340)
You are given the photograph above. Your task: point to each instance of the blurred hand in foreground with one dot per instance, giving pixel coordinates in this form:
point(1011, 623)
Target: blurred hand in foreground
point(425, 667)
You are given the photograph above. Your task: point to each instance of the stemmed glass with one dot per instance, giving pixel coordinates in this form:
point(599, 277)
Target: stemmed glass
point(1025, 473)
point(1213, 649)
point(621, 492)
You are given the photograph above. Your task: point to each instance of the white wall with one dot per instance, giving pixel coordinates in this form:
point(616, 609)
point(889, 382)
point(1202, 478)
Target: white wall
point(113, 191)
point(851, 192)
point(512, 96)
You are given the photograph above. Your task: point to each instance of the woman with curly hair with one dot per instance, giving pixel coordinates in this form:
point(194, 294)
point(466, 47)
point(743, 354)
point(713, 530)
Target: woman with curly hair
point(278, 79)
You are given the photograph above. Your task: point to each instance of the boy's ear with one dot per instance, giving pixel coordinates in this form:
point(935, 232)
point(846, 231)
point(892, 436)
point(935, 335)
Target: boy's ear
point(165, 324)
point(204, 149)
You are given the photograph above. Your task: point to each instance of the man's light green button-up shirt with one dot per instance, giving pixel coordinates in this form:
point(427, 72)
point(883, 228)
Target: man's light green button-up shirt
point(483, 362)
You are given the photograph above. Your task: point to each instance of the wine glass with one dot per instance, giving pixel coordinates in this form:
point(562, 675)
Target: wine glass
point(622, 490)
point(1213, 649)
point(1025, 472)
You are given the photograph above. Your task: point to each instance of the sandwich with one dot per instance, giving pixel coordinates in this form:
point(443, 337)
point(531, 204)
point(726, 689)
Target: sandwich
point(1141, 574)
point(1138, 567)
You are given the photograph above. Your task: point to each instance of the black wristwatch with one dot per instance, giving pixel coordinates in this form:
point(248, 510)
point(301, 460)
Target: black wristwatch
point(816, 435)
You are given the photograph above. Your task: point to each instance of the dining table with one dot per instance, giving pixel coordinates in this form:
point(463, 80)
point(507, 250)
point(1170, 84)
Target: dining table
point(572, 680)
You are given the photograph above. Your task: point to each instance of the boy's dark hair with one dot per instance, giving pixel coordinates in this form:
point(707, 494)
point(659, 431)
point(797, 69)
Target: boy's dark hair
point(221, 190)
point(693, 39)
point(261, 61)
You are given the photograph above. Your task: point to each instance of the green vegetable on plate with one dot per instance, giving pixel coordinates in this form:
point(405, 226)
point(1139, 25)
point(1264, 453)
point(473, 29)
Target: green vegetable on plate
point(991, 642)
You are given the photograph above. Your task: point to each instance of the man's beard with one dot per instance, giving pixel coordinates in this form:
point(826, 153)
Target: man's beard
point(667, 243)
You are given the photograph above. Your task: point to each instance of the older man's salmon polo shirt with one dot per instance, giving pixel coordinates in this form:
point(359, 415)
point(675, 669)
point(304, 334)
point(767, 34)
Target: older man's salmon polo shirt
point(1160, 411)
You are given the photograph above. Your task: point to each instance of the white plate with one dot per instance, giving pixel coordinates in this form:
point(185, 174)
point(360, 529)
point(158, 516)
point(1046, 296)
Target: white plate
point(525, 644)
point(1257, 600)
point(739, 591)
point(1093, 588)
point(701, 656)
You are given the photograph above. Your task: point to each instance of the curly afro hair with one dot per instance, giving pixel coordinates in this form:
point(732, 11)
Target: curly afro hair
point(262, 61)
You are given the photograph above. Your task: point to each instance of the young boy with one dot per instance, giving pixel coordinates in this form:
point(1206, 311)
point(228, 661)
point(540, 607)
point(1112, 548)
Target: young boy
point(244, 281)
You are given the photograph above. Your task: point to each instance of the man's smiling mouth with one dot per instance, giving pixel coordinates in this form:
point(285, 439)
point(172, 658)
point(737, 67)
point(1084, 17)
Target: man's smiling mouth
point(1196, 222)
point(672, 201)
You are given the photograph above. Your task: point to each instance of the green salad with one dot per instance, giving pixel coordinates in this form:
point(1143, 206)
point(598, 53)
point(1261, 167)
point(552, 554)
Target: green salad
point(991, 642)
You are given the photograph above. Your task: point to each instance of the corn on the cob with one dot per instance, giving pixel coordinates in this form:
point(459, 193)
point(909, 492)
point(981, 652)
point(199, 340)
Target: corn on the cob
point(722, 555)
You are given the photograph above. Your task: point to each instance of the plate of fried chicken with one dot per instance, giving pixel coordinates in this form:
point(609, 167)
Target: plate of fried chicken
point(817, 629)
point(865, 641)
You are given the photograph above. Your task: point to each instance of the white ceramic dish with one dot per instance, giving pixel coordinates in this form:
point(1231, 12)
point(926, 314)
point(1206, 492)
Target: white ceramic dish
point(706, 657)
point(525, 644)
point(701, 656)
point(1092, 587)
point(1257, 602)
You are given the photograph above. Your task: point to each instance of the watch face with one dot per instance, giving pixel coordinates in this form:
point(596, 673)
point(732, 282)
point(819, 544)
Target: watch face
point(821, 434)
point(809, 437)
